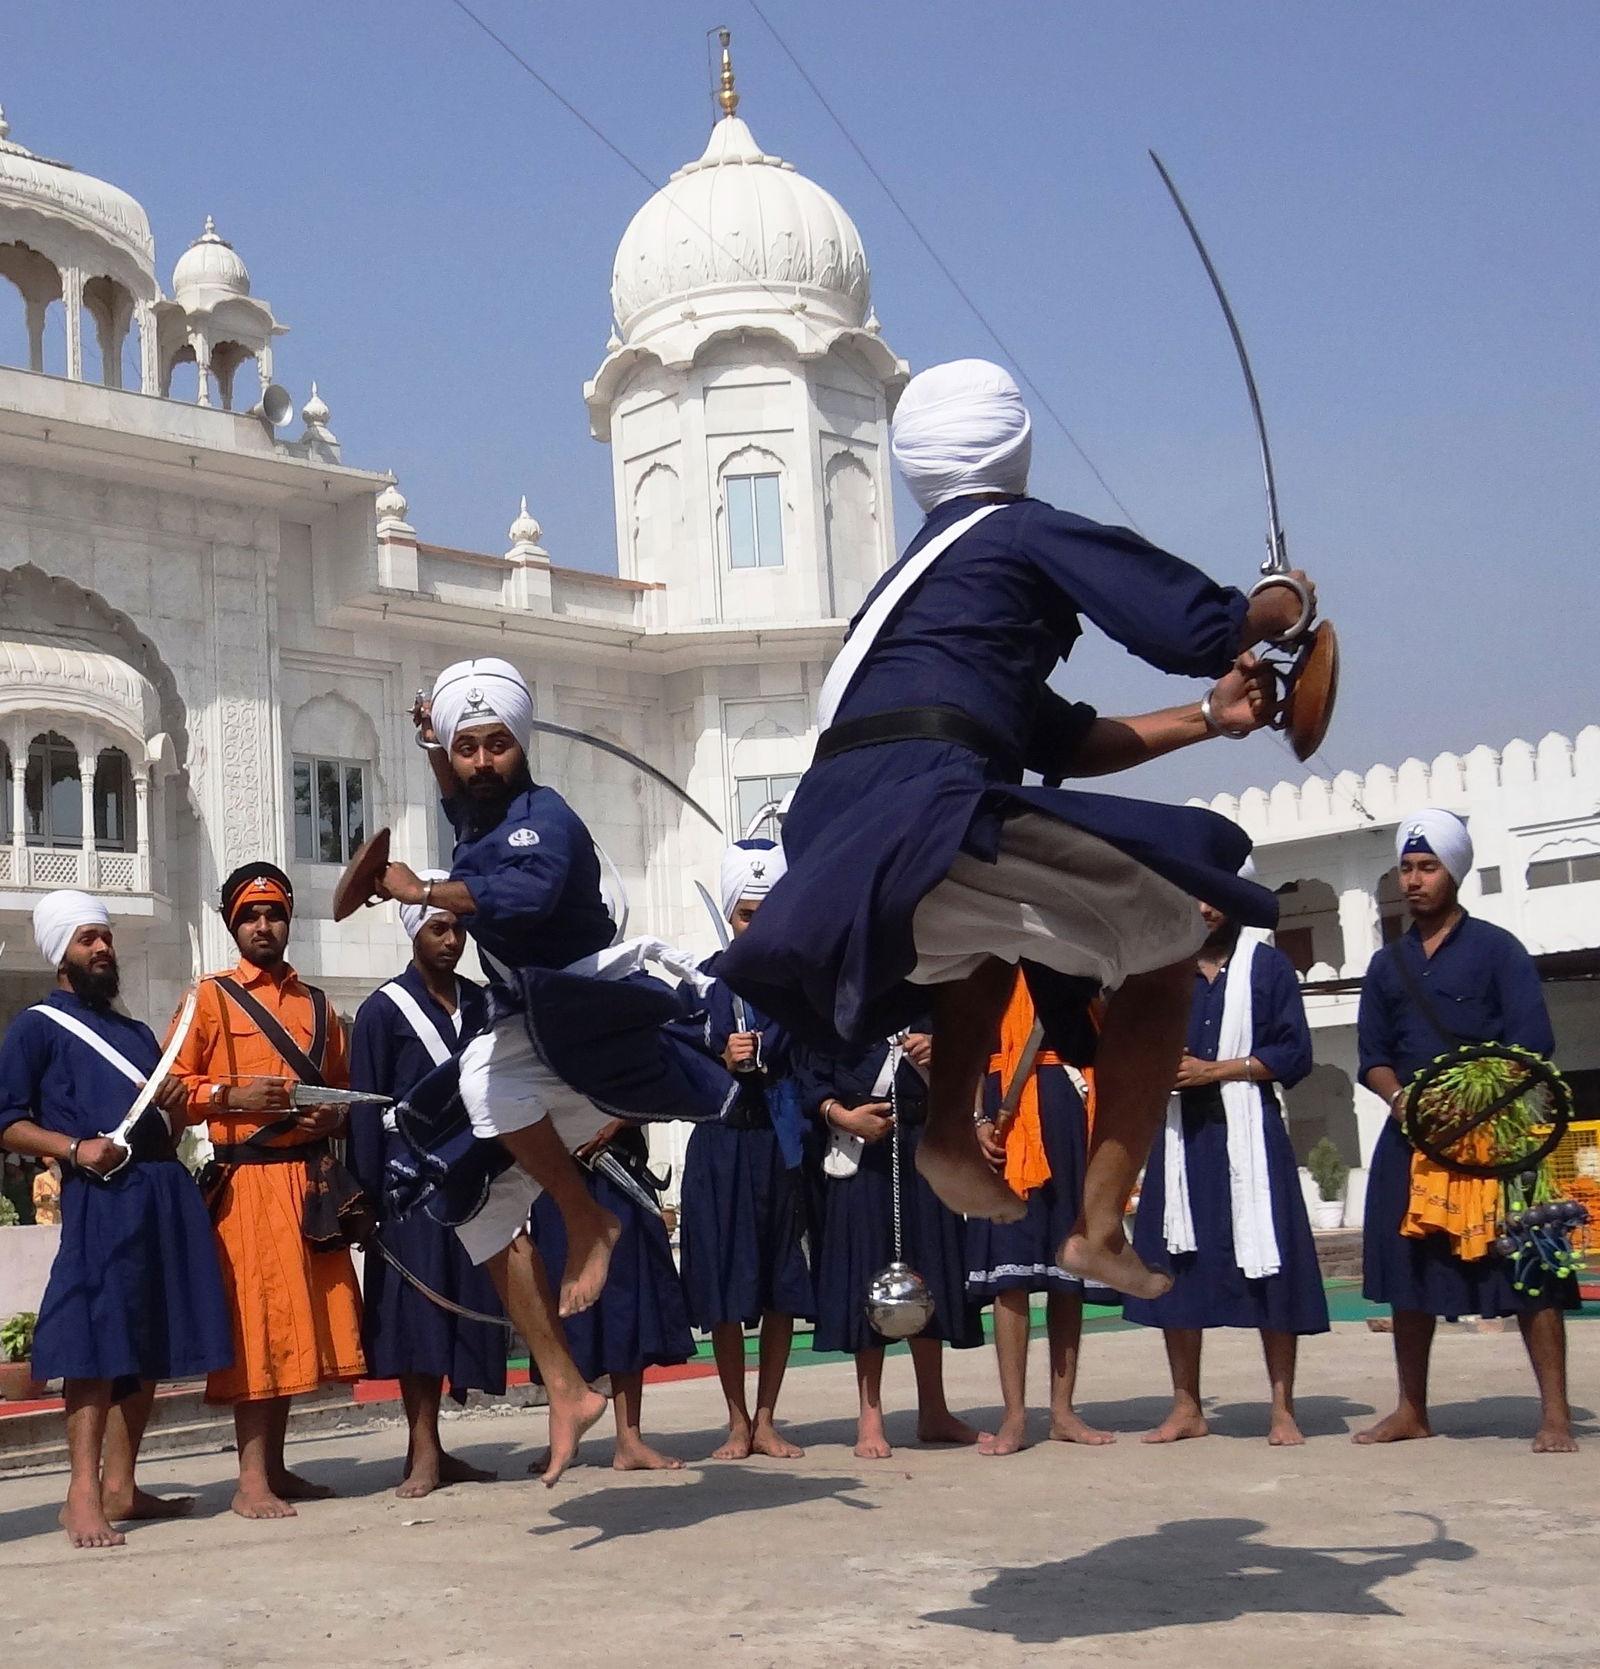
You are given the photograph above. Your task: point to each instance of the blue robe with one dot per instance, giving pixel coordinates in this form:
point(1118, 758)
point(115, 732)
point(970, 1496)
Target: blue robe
point(742, 1207)
point(535, 881)
point(857, 1235)
point(402, 1332)
point(1021, 1257)
point(640, 1320)
point(1484, 988)
point(1209, 1288)
point(135, 1291)
point(872, 831)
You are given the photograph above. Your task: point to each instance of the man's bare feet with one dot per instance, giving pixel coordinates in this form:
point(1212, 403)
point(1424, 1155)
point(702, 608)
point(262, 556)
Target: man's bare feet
point(1112, 1264)
point(871, 1441)
point(1284, 1432)
point(964, 1180)
point(945, 1427)
point(439, 1471)
point(256, 1500)
point(1071, 1427)
point(1555, 1438)
point(1010, 1439)
point(638, 1456)
point(768, 1440)
point(290, 1486)
point(590, 1241)
point(1179, 1425)
point(1399, 1427)
point(136, 1505)
point(85, 1521)
point(740, 1441)
point(570, 1418)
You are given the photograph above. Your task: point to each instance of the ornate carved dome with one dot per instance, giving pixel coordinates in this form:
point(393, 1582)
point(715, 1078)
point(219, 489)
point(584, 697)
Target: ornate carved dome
point(210, 263)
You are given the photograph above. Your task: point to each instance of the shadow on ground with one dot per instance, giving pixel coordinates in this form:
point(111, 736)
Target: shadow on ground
point(689, 1500)
point(1197, 1570)
point(1516, 1417)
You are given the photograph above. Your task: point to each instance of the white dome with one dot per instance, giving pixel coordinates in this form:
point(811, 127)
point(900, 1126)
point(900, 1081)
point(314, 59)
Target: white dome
point(58, 193)
point(210, 263)
point(42, 675)
point(734, 222)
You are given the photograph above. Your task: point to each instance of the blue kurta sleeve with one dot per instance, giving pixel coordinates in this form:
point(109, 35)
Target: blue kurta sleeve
point(1155, 605)
point(20, 1066)
point(1524, 1019)
point(526, 884)
point(1377, 1021)
point(1281, 1038)
point(1058, 732)
point(814, 1074)
point(371, 1068)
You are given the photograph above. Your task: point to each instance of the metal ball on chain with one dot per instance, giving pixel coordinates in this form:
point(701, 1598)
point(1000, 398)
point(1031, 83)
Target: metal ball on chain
point(898, 1303)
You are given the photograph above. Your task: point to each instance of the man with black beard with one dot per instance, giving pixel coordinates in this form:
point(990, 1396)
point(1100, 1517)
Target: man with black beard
point(135, 1294)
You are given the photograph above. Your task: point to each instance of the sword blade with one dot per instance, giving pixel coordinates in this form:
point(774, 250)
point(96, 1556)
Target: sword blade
point(319, 1095)
point(1277, 548)
point(741, 1016)
point(620, 1177)
point(1019, 1078)
point(551, 728)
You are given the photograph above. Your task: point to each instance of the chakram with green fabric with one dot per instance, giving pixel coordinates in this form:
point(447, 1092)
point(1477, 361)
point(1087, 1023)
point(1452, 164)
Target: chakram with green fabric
point(1496, 1111)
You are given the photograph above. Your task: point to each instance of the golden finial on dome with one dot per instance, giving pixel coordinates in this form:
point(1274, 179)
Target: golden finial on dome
point(727, 97)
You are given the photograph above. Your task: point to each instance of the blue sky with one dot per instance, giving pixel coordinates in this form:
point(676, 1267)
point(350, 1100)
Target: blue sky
point(1401, 199)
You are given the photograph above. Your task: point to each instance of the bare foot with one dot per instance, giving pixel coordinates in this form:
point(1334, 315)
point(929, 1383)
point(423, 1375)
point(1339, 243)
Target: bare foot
point(255, 1500)
point(589, 1244)
point(741, 1440)
point(640, 1457)
point(1179, 1425)
point(290, 1486)
point(1399, 1427)
point(871, 1444)
point(569, 1420)
point(963, 1179)
point(1011, 1439)
point(768, 1440)
point(1071, 1427)
point(1555, 1439)
point(439, 1471)
point(1116, 1266)
point(139, 1504)
point(84, 1520)
point(1284, 1432)
point(946, 1428)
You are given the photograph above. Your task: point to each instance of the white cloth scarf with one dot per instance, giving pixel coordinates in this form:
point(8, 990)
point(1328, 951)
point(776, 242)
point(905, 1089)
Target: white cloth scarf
point(962, 428)
point(1440, 832)
point(471, 694)
point(1255, 1241)
point(58, 915)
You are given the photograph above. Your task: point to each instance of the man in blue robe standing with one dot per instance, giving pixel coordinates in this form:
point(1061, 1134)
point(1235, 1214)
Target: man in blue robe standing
point(1451, 979)
point(402, 1032)
point(135, 1293)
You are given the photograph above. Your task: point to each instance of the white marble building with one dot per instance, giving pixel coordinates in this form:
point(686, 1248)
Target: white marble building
point(210, 635)
point(1328, 849)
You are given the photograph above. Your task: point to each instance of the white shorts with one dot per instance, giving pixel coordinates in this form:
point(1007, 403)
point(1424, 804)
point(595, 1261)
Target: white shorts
point(1057, 896)
point(506, 1087)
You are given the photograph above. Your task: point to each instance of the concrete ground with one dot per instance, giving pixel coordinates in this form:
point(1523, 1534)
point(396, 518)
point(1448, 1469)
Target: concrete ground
point(1466, 1549)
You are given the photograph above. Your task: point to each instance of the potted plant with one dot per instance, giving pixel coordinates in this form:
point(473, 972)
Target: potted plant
point(17, 1383)
point(1330, 1173)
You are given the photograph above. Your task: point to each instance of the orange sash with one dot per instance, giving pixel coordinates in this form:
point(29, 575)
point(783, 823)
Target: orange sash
point(1027, 1164)
point(1466, 1208)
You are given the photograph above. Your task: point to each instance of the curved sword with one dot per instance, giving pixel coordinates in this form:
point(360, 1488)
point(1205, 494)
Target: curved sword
point(551, 728)
point(1277, 550)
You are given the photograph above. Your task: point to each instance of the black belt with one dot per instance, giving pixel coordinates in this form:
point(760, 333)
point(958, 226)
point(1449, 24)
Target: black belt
point(917, 724)
point(246, 1153)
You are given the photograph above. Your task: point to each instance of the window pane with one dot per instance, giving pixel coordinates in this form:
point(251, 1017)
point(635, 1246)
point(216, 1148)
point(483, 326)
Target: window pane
point(1586, 867)
point(741, 522)
point(769, 522)
point(1489, 879)
point(33, 794)
point(783, 787)
point(328, 812)
point(753, 795)
point(355, 808)
point(305, 846)
point(64, 816)
point(1548, 872)
point(113, 790)
point(5, 794)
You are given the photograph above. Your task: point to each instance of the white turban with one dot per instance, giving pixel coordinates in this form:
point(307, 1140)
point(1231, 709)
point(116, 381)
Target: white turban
point(58, 915)
point(1440, 832)
point(472, 694)
point(412, 916)
point(750, 869)
point(962, 428)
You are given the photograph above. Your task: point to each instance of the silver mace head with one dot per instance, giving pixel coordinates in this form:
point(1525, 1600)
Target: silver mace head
point(899, 1304)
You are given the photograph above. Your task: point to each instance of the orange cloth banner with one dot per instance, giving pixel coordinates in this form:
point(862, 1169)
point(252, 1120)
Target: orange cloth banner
point(1467, 1208)
point(1027, 1164)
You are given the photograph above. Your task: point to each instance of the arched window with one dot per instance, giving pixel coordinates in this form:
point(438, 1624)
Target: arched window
point(52, 792)
point(113, 802)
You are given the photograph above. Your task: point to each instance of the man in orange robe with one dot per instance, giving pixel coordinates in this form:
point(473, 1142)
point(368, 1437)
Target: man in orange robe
point(296, 1312)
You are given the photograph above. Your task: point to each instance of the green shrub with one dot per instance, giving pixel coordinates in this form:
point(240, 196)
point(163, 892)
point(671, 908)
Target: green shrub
point(9, 1217)
point(16, 1337)
point(1328, 1170)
